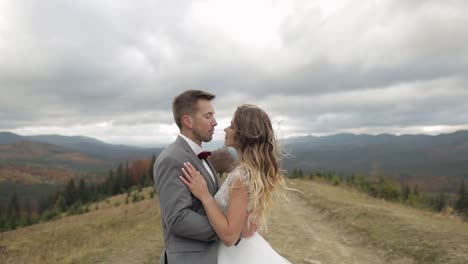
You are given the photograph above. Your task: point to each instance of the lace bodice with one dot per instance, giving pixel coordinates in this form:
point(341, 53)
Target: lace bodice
point(222, 196)
point(251, 250)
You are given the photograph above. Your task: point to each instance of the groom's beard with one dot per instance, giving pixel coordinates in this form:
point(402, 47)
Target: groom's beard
point(203, 138)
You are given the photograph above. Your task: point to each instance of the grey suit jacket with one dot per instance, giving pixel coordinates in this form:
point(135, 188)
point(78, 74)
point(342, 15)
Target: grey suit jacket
point(188, 235)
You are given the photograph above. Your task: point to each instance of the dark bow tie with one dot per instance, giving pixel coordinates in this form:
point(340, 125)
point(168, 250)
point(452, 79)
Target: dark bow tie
point(204, 154)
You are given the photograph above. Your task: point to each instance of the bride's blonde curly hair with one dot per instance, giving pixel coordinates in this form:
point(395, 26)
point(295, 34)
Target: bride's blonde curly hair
point(259, 156)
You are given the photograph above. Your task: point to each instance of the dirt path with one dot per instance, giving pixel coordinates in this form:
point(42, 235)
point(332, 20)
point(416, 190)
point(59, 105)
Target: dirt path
point(303, 234)
point(298, 231)
point(329, 225)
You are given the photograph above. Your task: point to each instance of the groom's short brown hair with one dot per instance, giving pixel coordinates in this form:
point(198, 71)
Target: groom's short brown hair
point(186, 102)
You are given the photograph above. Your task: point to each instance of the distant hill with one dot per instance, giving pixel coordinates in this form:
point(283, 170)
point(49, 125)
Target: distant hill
point(46, 162)
point(444, 155)
point(9, 138)
point(85, 145)
point(32, 162)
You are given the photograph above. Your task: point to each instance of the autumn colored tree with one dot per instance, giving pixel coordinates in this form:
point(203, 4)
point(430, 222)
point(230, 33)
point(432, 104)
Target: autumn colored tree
point(139, 171)
point(221, 160)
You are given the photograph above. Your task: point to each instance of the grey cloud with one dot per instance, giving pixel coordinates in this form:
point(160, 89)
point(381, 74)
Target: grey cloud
point(439, 102)
point(66, 62)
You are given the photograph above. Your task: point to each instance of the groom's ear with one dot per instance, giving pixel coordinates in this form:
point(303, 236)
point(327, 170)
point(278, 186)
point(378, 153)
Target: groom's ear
point(187, 121)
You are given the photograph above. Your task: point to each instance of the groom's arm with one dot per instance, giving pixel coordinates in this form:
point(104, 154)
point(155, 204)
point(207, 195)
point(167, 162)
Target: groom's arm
point(176, 201)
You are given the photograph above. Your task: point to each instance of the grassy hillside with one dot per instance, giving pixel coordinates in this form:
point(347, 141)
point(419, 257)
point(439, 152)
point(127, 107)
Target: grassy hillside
point(398, 233)
point(33, 163)
point(111, 232)
point(320, 224)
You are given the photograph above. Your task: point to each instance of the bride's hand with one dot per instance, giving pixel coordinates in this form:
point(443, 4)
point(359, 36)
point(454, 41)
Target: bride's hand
point(195, 182)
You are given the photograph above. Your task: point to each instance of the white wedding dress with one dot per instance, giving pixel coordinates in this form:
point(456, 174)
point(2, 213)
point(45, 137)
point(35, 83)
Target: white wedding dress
point(250, 250)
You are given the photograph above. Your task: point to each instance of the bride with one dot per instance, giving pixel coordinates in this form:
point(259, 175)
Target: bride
point(245, 196)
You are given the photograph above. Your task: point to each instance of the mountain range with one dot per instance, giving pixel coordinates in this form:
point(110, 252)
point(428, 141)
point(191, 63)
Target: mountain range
point(53, 159)
point(434, 162)
point(86, 145)
point(35, 165)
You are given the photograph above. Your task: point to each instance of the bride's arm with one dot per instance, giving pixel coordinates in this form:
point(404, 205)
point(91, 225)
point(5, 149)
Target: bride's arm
point(228, 227)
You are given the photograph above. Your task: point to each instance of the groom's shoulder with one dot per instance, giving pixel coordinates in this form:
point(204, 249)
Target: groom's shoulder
point(175, 146)
point(172, 151)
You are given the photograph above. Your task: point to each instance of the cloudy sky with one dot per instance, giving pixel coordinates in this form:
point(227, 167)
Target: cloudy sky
point(109, 69)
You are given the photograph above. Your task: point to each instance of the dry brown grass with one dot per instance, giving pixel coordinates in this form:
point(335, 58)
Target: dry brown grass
point(395, 230)
point(323, 224)
point(111, 234)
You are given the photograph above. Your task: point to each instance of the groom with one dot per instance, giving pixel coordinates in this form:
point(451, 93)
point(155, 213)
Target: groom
point(188, 235)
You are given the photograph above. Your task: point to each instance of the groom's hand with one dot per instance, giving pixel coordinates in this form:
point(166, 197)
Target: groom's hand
point(248, 231)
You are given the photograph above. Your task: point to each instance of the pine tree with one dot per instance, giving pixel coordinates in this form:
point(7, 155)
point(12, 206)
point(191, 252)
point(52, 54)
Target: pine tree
point(60, 203)
point(82, 191)
point(150, 170)
point(441, 202)
point(127, 178)
point(312, 175)
point(110, 182)
point(300, 174)
point(148, 182)
point(28, 208)
point(44, 203)
point(70, 193)
point(406, 192)
point(13, 210)
point(462, 203)
point(294, 174)
point(93, 191)
point(2, 220)
point(119, 180)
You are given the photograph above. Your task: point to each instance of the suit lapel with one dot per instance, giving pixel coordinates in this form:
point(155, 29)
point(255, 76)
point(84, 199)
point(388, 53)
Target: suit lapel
point(201, 168)
point(198, 164)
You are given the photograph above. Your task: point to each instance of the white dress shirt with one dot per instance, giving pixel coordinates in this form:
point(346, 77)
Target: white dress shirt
point(198, 149)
